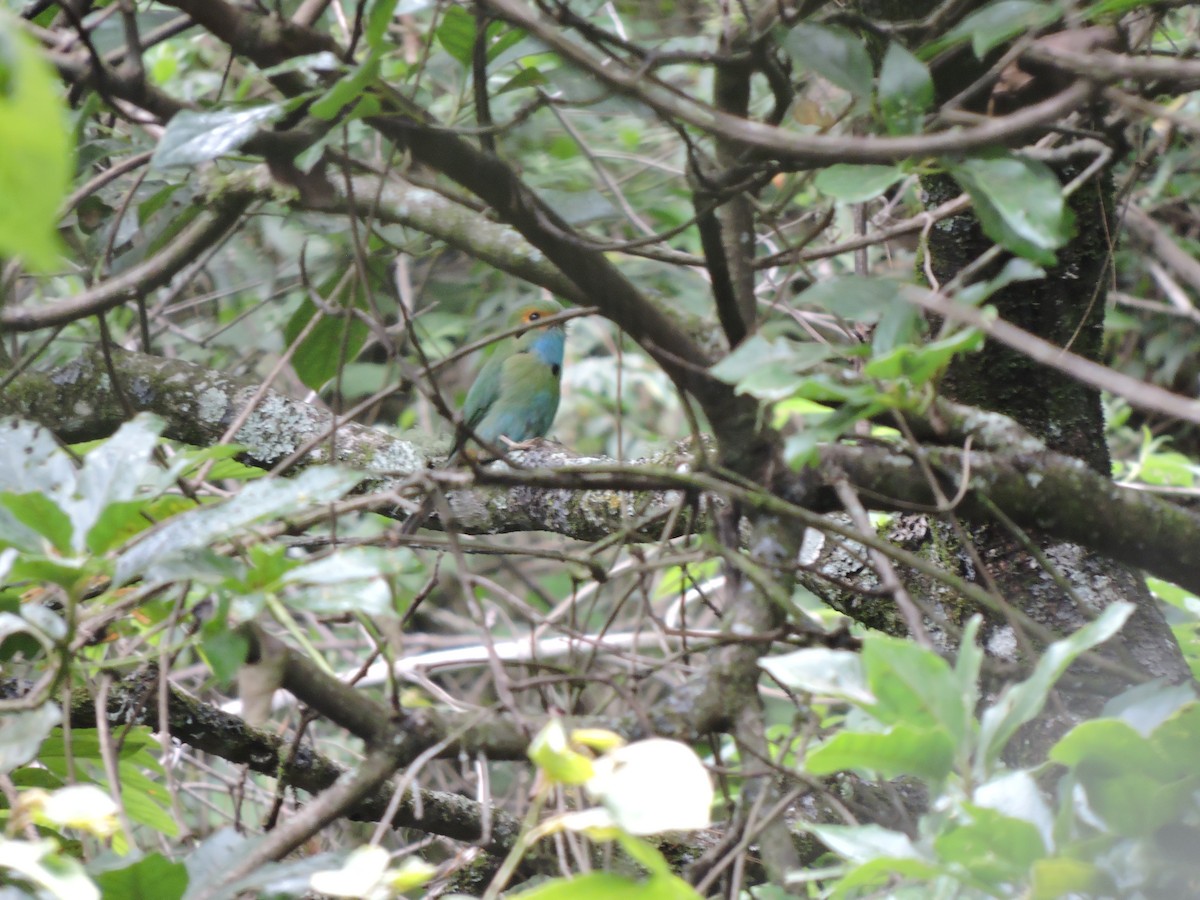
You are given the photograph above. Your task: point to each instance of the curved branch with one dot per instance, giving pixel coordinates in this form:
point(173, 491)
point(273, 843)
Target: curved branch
point(801, 150)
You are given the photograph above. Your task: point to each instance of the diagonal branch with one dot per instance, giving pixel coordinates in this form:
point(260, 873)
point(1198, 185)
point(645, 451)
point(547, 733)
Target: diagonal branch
point(154, 272)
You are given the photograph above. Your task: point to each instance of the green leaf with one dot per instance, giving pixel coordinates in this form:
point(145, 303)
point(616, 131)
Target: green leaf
point(530, 77)
point(212, 860)
point(1014, 270)
point(913, 686)
point(152, 877)
point(1018, 201)
point(347, 89)
point(356, 579)
point(1001, 21)
point(22, 733)
point(146, 801)
point(605, 886)
point(196, 137)
point(1017, 795)
point(968, 664)
point(868, 878)
point(1179, 735)
point(920, 364)
point(553, 754)
point(32, 461)
point(993, 847)
point(770, 370)
point(1067, 877)
point(1131, 781)
point(1021, 702)
point(39, 513)
point(502, 38)
point(905, 749)
point(905, 91)
point(224, 651)
point(36, 157)
point(899, 325)
point(1114, 747)
point(378, 19)
point(856, 184)
point(818, 670)
point(456, 34)
point(331, 342)
point(259, 500)
point(855, 298)
point(65, 573)
point(835, 54)
point(85, 745)
point(1136, 804)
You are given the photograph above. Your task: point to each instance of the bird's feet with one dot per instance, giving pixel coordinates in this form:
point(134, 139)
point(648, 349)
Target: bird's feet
point(510, 444)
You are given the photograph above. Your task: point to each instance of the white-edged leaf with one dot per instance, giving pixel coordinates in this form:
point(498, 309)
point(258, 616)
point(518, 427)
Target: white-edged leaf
point(819, 670)
point(22, 733)
point(111, 473)
point(195, 137)
point(259, 500)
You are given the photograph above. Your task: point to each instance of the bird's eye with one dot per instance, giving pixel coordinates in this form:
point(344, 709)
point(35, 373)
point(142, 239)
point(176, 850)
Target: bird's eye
point(533, 316)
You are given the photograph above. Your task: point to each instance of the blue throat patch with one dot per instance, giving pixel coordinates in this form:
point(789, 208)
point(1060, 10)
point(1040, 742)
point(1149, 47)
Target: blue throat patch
point(548, 345)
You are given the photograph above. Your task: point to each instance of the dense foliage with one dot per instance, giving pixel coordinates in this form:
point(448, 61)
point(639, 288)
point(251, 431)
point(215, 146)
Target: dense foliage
point(862, 561)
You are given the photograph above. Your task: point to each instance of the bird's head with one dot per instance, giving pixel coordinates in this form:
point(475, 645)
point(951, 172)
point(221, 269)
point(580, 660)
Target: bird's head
point(544, 340)
point(531, 313)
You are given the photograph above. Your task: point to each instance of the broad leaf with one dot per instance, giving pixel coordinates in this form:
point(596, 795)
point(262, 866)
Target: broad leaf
point(35, 150)
point(905, 91)
point(1021, 702)
point(863, 843)
point(993, 847)
point(926, 753)
point(1018, 201)
point(855, 298)
point(856, 184)
point(913, 686)
point(111, 475)
point(818, 670)
point(1001, 21)
point(22, 733)
point(770, 369)
point(833, 53)
point(268, 498)
point(196, 137)
point(152, 877)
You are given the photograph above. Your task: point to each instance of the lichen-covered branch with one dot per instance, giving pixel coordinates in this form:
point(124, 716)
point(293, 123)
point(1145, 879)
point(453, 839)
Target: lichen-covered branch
point(589, 498)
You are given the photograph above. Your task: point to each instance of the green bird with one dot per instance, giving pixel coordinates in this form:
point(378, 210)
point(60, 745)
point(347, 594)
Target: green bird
point(515, 395)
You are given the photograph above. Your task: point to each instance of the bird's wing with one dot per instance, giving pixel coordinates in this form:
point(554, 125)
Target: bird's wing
point(484, 389)
point(525, 401)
